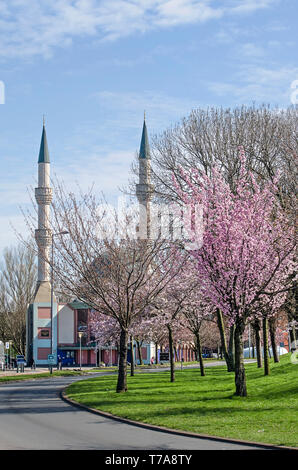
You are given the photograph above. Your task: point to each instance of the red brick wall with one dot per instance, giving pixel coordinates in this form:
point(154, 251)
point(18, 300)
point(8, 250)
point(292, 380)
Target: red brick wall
point(44, 312)
point(42, 353)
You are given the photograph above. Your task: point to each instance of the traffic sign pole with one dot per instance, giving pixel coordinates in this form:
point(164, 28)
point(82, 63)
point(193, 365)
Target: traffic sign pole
point(51, 362)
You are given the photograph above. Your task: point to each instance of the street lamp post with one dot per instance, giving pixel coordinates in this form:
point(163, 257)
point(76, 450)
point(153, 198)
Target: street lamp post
point(80, 336)
point(52, 289)
point(10, 354)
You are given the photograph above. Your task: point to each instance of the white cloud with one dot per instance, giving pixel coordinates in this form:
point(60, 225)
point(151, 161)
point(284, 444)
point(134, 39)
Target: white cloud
point(93, 160)
point(173, 12)
point(105, 172)
point(129, 106)
point(257, 83)
point(13, 228)
point(249, 6)
point(13, 193)
point(44, 25)
point(251, 50)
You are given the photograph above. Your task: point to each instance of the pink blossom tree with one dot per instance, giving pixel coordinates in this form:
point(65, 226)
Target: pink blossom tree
point(247, 255)
point(105, 329)
point(103, 263)
point(197, 309)
point(152, 328)
point(179, 295)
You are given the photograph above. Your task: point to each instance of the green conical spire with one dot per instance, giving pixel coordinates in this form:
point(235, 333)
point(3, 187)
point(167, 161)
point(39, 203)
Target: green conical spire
point(144, 148)
point(44, 156)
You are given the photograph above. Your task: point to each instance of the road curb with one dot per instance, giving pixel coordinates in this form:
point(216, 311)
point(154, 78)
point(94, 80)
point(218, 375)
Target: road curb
point(154, 427)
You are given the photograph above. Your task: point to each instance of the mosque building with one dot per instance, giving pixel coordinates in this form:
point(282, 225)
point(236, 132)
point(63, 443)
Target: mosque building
point(53, 328)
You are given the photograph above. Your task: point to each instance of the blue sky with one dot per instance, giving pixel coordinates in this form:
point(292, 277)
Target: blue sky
point(93, 66)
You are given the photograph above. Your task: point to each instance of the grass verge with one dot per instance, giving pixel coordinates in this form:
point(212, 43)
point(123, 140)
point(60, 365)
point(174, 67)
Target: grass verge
point(207, 404)
point(43, 375)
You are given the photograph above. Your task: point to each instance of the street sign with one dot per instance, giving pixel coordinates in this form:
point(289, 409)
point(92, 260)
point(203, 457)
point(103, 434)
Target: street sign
point(82, 328)
point(51, 359)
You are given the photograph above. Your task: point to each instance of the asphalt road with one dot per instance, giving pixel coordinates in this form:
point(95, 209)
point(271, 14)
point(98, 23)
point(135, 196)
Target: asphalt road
point(32, 416)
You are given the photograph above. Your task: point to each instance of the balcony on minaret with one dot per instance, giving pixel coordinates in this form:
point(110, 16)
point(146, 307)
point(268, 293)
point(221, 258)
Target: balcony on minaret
point(43, 195)
point(43, 237)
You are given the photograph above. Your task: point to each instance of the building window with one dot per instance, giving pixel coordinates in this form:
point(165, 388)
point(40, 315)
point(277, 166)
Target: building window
point(82, 319)
point(83, 325)
point(44, 333)
point(44, 313)
point(42, 353)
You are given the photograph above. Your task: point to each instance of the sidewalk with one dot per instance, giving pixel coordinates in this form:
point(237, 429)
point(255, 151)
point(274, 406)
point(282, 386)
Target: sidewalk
point(12, 372)
point(164, 366)
point(42, 370)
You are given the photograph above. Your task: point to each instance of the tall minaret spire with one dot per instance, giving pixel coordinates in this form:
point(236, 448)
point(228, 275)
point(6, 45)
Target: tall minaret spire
point(144, 189)
point(43, 196)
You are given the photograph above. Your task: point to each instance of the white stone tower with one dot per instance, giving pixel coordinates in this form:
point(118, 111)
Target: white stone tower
point(144, 189)
point(43, 196)
point(42, 320)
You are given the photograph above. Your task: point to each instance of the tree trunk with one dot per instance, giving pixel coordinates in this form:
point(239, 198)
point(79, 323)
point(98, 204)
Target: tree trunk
point(293, 335)
point(231, 349)
point(272, 330)
point(132, 360)
point(122, 379)
point(156, 353)
point(175, 353)
point(265, 345)
point(229, 359)
point(240, 379)
point(118, 352)
point(196, 355)
point(140, 352)
point(257, 329)
point(199, 354)
point(172, 363)
point(252, 348)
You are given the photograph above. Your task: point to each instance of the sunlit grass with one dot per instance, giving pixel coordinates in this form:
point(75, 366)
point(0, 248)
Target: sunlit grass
point(207, 404)
point(41, 375)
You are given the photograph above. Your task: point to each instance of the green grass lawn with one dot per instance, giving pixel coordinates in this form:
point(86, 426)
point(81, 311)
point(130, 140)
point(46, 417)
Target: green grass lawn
point(153, 366)
point(177, 364)
point(42, 375)
point(207, 404)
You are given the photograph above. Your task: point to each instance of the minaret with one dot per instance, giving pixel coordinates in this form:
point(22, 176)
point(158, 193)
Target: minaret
point(43, 196)
point(144, 189)
point(42, 314)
